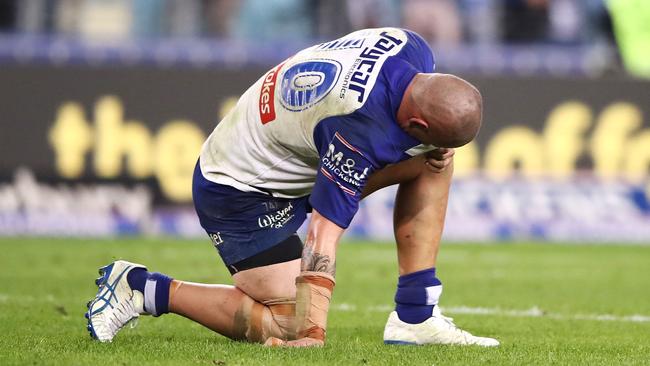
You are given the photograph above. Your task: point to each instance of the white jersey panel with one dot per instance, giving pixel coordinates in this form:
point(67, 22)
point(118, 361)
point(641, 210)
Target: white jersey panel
point(266, 141)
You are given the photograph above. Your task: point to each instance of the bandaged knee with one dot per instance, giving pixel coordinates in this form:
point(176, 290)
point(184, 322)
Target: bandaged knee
point(283, 312)
point(313, 296)
point(256, 322)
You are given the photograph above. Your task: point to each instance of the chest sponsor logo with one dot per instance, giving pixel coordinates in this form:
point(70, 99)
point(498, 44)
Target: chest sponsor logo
point(307, 83)
point(277, 219)
point(356, 79)
point(345, 165)
point(267, 95)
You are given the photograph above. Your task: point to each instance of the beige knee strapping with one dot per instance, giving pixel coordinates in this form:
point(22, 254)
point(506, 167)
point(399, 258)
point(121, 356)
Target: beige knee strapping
point(256, 322)
point(283, 312)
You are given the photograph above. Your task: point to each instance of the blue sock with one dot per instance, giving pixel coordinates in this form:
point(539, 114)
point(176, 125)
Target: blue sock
point(417, 294)
point(137, 278)
point(154, 287)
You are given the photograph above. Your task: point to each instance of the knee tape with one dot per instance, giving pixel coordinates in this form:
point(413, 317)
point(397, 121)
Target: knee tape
point(256, 322)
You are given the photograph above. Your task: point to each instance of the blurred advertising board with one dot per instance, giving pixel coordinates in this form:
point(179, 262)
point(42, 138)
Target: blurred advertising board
point(110, 150)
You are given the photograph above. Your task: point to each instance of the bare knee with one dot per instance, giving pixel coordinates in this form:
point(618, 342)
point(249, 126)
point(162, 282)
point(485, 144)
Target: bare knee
point(269, 282)
point(440, 176)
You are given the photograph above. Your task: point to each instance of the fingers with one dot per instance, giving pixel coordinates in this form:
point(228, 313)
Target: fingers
point(274, 342)
point(440, 153)
point(437, 166)
point(303, 342)
point(438, 160)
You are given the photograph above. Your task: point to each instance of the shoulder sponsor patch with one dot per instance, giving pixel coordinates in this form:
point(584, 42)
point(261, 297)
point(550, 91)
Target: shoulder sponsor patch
point(267, 95)
point(345, 165)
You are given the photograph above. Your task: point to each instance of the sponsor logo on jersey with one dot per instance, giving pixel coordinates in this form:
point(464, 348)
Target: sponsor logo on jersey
point(341, 44)
point(267, 95)
point(359, 74)
point(345, 165)
point(216, 238)
point(277, 219)
point(307, 83)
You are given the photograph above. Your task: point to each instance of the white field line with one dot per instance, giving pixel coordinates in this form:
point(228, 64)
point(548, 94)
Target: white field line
point(534, 312)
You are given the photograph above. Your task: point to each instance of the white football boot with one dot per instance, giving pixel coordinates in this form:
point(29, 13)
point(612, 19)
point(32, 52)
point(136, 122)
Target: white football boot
point(115, 304)
point(438, 329)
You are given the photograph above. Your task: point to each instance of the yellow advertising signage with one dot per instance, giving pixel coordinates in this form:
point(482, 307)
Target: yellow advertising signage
point(613, 139)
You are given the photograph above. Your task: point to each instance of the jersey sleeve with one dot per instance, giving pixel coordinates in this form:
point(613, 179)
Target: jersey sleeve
point(347, 159)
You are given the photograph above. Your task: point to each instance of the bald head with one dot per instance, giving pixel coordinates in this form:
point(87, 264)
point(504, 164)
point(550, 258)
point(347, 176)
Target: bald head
point(445, 110)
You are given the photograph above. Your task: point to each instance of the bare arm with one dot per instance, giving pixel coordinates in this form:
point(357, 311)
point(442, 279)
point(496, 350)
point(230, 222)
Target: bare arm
point(315, 284)
point(320, 245)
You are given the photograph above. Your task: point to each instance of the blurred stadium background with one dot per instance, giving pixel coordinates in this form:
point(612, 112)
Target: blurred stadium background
point(104, 105)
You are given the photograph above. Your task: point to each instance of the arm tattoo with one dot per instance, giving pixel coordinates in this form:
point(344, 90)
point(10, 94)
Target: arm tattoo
point(316, 262)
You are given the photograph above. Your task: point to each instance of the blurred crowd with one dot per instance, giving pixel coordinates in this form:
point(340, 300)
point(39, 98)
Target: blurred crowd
point(439, 21)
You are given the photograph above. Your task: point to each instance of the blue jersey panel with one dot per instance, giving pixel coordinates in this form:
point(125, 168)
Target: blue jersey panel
point(352, 147)
point(418, 53)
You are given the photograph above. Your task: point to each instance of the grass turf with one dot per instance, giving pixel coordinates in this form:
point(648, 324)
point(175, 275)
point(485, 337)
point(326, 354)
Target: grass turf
point(45, 283)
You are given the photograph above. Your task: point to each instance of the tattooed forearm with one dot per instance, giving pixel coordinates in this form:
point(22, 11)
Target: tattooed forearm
point(316, 262)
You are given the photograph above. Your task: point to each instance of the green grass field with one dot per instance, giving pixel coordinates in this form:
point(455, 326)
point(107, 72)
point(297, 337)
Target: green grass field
point(547, 304)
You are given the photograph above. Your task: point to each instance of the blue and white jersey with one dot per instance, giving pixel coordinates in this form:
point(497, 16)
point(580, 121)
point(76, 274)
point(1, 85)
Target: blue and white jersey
point(321, 122)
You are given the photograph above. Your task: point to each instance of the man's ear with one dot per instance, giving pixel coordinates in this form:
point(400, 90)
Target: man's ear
point(417, 123)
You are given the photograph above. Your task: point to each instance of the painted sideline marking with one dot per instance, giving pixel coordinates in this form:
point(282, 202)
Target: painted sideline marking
point(534, 312)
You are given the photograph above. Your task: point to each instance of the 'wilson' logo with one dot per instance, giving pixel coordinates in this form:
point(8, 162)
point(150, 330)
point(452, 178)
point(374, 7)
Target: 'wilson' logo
point(267, 95)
